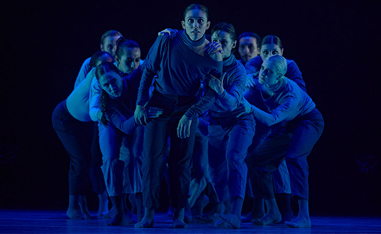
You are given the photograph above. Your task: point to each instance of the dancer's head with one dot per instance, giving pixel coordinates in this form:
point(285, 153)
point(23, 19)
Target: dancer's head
point(224, 34)
point(108, 41)
point(272, 70)
point(248, 45)
point(128, 55)
point(100, 57)
point(196, 21)
point(271, 45)
point(109, 79)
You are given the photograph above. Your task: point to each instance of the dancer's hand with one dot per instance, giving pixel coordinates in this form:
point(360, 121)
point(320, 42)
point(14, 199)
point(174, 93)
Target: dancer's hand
point(183, 128)
point(153, 112)
point(247, 106)
point(214, 51)
point(250, 81)
point(217, 84)
point(171, 32)
point(140, 115)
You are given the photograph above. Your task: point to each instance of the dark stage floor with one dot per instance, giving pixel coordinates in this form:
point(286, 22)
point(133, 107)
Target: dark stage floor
point(36, 221)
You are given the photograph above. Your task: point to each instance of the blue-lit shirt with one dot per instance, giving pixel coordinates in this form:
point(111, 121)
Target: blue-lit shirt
point(287, 103)
point(293, 72)
point(179, 70)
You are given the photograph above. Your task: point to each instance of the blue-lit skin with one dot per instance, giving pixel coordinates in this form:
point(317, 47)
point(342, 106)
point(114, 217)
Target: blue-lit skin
point(195, 24)
point(248, 48)
point(129, 61)
point(224, 39)
point(268, 74)
point(268, 50)
point(227, 44)
point(112, 83)
point(109, 45)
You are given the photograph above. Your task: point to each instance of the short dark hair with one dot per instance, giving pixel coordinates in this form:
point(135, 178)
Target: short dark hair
point(95, 58)
point(199, 7)
point(251, 34)
point(109, 33)
point(271, 39)
point(226, 27)
point(123, 44)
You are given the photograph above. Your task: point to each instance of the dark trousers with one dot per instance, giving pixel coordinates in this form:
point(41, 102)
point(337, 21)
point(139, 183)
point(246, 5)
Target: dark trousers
point(228, 141)
point(157, 131)
point(80, 140)
point(292, 142)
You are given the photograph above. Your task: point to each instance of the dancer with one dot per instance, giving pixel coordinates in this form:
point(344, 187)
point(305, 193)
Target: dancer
point(181, 64)
point(107, 44)
point(272, 45)
point(73, 125)
point(302, 126)
point(248, 46)
point(229, 137)
point(117, 126)
point(127, 60)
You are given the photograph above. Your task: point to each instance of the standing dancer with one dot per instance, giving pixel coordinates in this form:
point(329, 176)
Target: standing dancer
point(180, 64)
point(118, 125)
point(271, 45)
point(302, 126)
point(229, 136)
point(73, 125)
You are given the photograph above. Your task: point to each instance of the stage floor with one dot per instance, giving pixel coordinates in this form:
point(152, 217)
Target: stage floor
point(39, 221)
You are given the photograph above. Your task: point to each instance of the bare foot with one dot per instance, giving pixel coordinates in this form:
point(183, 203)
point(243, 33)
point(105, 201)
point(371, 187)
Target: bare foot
point(121, 220)
point(144, 223)
point(247, 218)
point(74, 214)
point(231, 219)
point(85, 212)
point(103, 205)
point(299, 222)
point(219, 223)
point(102, 215)
point(209, 218)
point(269, 218)
point(170, 211)
point(111, 214)
point(179, 223)
point(287, 217)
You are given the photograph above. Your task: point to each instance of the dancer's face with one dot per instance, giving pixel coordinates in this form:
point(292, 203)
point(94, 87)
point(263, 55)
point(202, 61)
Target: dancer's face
point(112, 83)
point(195, 24)
point(226, 42)
point(268, 50)
point(268, 74)
point(130, 60)
point(248, 48)
point(109, 45)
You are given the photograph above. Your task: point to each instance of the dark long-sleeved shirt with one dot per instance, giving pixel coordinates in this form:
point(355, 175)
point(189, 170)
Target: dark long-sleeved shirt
point(230, 101)
point(293, 72)
point(287, 103)
point(120, 110)
point(179, 71)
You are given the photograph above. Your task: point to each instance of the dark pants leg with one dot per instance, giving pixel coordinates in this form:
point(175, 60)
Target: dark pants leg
point(155, 137)
point(294, 143)
point(179, 163)
point(96, 175)
point(76, 137)
point(228, 144)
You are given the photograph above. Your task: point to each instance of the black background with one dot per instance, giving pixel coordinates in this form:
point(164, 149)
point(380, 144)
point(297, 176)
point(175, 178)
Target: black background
point(336, 45)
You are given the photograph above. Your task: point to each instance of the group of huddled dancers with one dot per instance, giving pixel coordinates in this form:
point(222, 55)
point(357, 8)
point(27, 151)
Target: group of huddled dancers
point(221, 128)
